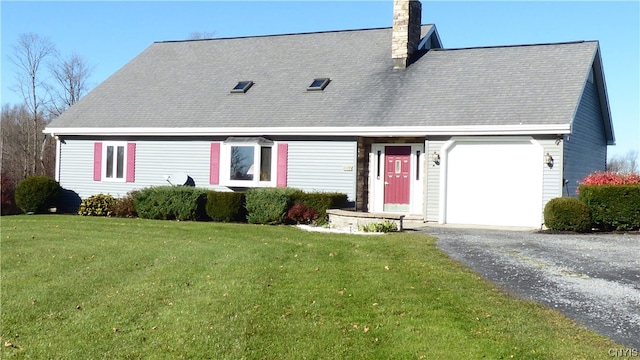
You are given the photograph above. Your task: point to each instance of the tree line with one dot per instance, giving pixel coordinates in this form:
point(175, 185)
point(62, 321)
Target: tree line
point(47, 83)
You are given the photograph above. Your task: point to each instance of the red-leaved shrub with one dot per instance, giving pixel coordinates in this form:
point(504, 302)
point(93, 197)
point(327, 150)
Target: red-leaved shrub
point(610, 178)
point(613, 200)
point(301, 214)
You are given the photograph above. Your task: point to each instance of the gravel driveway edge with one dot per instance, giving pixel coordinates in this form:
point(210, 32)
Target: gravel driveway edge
point(593, 279)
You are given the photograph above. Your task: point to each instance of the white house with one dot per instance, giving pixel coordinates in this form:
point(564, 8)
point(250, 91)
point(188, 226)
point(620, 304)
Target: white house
point(481, 135)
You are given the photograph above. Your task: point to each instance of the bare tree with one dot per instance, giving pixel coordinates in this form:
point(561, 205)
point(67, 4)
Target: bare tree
point(624, 164)
point(70, 76)
point(16, 159)
point(30, 53)
point(201, 35)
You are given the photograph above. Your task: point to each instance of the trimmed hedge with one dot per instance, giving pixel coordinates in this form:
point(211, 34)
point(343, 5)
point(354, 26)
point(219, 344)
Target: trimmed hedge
point(272, 206)
point(37, 194)
point(322, 201)
point(171, 203)
point(97, 205)
point(567, 214)
point(269, 205)
point(613, 207)
point(226, 206)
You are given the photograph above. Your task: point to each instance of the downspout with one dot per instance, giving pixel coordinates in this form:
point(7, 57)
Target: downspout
point(58, 153)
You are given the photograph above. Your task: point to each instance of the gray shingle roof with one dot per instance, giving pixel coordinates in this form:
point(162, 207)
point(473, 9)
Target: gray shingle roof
point(187, 84)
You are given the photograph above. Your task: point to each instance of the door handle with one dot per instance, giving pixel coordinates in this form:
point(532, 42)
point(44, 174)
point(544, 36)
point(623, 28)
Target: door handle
point(386, 183)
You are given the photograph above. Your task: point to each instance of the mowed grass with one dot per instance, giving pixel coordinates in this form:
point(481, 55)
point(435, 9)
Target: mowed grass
point(105, 288)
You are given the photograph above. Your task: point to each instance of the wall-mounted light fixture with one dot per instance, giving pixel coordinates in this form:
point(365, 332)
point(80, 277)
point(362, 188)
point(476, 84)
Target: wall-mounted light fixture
point(436, 158)
point(548, 159)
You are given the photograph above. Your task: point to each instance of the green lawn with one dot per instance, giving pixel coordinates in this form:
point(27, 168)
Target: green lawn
point(105, 288)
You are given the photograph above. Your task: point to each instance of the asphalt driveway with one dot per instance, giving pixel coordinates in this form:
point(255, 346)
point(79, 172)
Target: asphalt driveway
point(592, 278)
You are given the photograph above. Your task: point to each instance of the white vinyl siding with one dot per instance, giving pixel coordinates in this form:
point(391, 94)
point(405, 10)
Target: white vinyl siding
point(552, 176)
point(432, 194)
point(328, 166)
point(313, 166)
point(154, 160)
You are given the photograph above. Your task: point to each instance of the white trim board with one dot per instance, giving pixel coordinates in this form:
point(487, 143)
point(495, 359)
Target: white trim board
point(386, 131)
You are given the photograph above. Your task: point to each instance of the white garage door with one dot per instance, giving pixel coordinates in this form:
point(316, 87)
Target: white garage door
point(494, 184)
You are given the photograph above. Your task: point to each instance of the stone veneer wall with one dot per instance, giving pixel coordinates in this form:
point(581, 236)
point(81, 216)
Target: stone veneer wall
point(362, 175)
point(407, 18)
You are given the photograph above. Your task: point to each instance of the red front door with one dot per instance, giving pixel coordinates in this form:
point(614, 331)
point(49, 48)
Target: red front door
point(397, 178)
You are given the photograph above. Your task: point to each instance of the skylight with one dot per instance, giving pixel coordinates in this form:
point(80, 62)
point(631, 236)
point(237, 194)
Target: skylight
point(318, 84)
point(242, 87)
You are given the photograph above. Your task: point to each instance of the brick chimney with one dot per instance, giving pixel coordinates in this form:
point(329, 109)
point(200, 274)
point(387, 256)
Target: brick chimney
point(407, 18)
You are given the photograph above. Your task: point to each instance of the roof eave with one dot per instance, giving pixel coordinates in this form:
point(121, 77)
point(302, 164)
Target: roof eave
point(601, 87)
point(604, 97)
point(371, 131)
point(431, 34)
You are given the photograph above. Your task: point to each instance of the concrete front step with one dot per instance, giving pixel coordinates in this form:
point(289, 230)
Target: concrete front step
point(355, 220)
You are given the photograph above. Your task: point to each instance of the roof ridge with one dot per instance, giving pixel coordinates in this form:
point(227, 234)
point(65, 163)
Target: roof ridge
point(285, 34)
point(515, 45)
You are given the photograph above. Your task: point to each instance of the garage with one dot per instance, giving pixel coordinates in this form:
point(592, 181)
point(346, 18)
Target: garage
point(493, 183)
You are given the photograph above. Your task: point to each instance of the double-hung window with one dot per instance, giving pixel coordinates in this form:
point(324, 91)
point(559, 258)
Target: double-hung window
point(114, 161)
point(247, 162)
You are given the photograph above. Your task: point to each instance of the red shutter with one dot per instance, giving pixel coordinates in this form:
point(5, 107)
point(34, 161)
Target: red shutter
point(97, 161)
point(283, 156)
point(214, 164)
point(131, 162)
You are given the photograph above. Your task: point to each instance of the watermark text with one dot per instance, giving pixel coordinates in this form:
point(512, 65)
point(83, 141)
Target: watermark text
point(624, 352)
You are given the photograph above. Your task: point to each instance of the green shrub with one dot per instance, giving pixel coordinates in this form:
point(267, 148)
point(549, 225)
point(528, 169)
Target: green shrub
point(383, 227)
point(125, 206)
point(37, 194)
point(613, 207)
point(321, 202)
point(567, 214)
point(171, 203)
point(97, 205)
point(226, 206)
point(269, 205)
